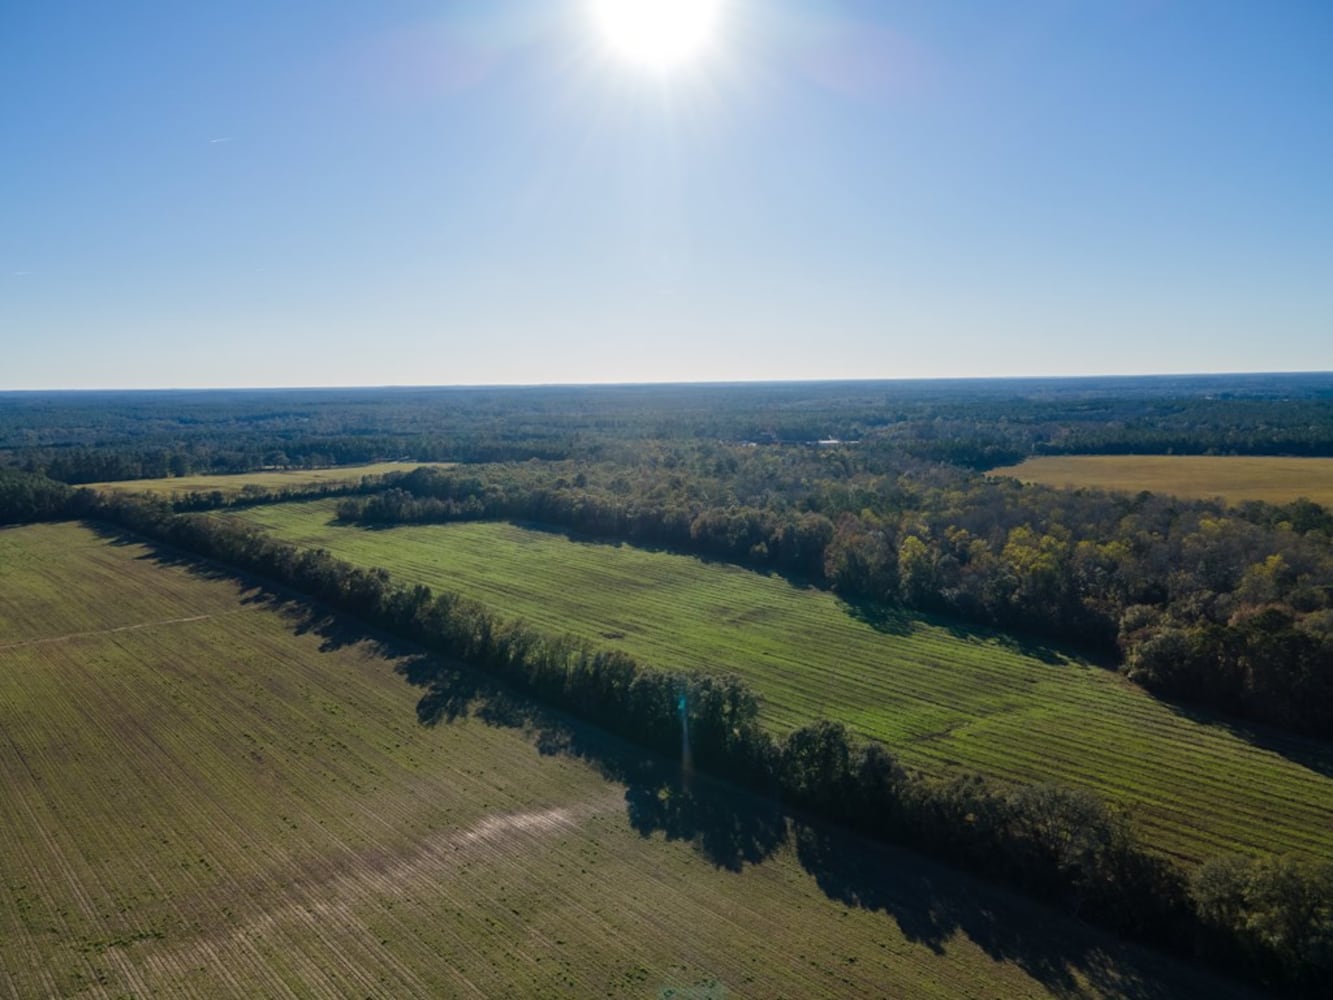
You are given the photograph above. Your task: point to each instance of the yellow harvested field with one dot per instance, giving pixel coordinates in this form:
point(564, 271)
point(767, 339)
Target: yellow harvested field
point(1232, 477)
point(276, 479)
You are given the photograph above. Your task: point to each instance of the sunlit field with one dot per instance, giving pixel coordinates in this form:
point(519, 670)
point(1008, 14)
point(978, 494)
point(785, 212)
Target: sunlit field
point(942, 695)
point(206, 791)
point(1231, 477)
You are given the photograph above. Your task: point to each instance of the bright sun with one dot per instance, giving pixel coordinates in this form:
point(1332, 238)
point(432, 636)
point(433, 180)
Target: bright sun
point(656, 35)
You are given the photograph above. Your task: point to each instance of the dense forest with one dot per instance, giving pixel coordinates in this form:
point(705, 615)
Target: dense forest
point(977, 423)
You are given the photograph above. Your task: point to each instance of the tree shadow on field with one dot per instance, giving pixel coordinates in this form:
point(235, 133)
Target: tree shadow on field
point(1052, 653)
point(733, 828)
point(303, 614)
point(883, 618)
point(730, 831)
point(1306, 751)
point(933, 905)
point(890, 619)
point(660, 798)
point(791, 578)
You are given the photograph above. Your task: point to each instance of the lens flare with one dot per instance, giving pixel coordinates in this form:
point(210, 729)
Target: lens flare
point(656, 35)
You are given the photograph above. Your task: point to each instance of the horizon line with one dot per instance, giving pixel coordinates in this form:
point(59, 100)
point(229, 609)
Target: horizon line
point(630, 384)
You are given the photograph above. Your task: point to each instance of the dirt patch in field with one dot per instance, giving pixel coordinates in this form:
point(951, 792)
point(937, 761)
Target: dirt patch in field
point(43, 640)
point(341, 891)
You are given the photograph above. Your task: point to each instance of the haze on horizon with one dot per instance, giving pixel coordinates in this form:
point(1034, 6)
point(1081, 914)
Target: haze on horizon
point(541, 191)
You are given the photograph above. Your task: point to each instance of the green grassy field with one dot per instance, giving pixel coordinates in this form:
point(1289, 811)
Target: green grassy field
point(277, 479)
point(204, 793)
point(939, 694)
point(1232, 477)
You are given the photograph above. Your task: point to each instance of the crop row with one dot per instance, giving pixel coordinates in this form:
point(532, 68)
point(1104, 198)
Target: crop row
point(940, 695)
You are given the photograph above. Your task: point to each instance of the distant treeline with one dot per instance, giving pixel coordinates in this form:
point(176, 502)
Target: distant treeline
point(97, 437)
point(1227, 607)
point(79, 465)
point(25, 498)
point(252, 494)
point(1268, 920)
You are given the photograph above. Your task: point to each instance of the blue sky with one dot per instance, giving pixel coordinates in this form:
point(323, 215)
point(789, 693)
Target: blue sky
point(338, 193)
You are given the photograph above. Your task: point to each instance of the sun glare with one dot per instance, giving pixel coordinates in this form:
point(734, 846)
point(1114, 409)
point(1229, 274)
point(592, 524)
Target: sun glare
point(656, 35)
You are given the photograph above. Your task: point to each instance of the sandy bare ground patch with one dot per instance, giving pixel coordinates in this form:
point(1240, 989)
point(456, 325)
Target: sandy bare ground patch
point(139, 626)
point(366, 881)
